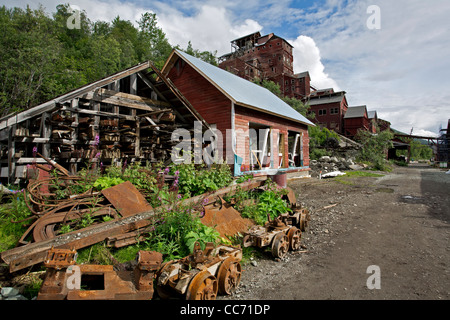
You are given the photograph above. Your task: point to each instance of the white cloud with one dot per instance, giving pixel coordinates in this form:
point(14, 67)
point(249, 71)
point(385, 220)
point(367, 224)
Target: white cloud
point(400, 70)
point(95, 9)
point(307, 58)
point(211, 28)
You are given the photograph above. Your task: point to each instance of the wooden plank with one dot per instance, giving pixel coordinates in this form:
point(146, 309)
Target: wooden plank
point(133, 84)
point(117, 100)
point(11, 152)
point(154, 112)
point(100, 113)
point(130, 98)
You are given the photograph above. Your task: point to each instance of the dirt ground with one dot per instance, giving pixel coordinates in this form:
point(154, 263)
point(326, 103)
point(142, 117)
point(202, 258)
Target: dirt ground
point(399, 222)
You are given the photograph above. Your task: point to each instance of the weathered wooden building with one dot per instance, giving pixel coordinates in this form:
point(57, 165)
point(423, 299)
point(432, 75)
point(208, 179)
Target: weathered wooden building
point(269, 57)
point(129, 115)
point(260, 131)
point(356, 118)
point(329, 108)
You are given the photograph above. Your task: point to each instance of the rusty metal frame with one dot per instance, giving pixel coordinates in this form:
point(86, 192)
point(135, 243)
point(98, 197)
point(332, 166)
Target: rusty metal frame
point(112, 284)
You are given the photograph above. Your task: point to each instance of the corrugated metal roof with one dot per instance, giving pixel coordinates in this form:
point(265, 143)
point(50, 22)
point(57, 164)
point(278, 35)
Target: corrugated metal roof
point(355, 112)
point(324, 99)
point(371, 114)
point(243, 92)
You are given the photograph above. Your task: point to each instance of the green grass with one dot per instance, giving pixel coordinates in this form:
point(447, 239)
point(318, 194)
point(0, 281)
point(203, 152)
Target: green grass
point(355, 174)
point(362, 174)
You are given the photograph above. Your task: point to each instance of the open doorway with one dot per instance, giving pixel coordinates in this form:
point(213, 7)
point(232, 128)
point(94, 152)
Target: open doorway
point(259, 146)
point(295, 149)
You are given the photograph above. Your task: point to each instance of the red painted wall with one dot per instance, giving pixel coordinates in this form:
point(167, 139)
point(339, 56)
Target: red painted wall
point(328, 119)
point(353, 124)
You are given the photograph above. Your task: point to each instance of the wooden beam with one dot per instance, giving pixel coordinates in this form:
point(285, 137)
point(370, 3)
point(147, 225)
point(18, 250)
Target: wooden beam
point(149, 84)
point(124, 100)
point(100, 113)
point(133, 97)
point(46, 133)
point(154, 112)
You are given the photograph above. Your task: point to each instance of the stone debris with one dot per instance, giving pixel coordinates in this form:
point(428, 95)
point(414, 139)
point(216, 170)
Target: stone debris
point(10, 293)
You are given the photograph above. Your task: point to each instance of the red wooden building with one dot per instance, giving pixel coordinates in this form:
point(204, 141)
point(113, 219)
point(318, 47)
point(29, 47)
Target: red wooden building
point(259, 130)
point(329, 108)
point(268, 57)
point(356, 119)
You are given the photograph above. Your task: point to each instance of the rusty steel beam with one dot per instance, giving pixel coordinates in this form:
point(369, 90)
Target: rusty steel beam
point(34, 253)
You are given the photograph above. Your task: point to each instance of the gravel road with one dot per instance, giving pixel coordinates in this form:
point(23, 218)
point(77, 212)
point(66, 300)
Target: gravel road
point(398, 223)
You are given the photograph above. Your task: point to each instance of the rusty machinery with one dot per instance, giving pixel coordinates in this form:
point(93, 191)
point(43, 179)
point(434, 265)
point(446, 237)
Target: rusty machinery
point(97, 282)
point(282, 233)
point(201, 275)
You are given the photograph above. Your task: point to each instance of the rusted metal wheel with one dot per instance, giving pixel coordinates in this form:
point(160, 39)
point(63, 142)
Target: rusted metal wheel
point(304, 219)
point(229, 275)
point(294, 236)
point(164, 291)
point(280, 245)
point(202, 287)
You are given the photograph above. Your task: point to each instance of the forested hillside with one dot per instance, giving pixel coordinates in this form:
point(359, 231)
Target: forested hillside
point(42, 58)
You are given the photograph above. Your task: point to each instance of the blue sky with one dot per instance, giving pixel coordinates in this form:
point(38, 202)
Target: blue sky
point(400, 70)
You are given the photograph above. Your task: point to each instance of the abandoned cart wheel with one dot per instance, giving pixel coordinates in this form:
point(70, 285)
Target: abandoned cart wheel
point(229, 275)
point(202, 287)
point(280, 246)
point(294, 237)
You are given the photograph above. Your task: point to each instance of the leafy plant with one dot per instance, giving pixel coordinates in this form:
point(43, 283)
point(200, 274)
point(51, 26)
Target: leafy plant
point(65, 229)
point(14, 208)
point(204, 235)
point(176, 231)
point(271, 204)
point(194, 181)
point(107, 182)
point(244, 178)
point(257, 205)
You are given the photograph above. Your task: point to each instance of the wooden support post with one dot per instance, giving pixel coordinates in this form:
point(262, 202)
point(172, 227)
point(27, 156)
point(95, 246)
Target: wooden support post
point(133, 83)
point(137, 144)
point(74, 105)
point(11, 153)
point(46, 133)
point(301, 150)
point(273, 148)
point(264, 134)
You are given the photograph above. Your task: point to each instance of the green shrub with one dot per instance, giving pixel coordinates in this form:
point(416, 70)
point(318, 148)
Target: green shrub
point(374, 148)
point(13, 209)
